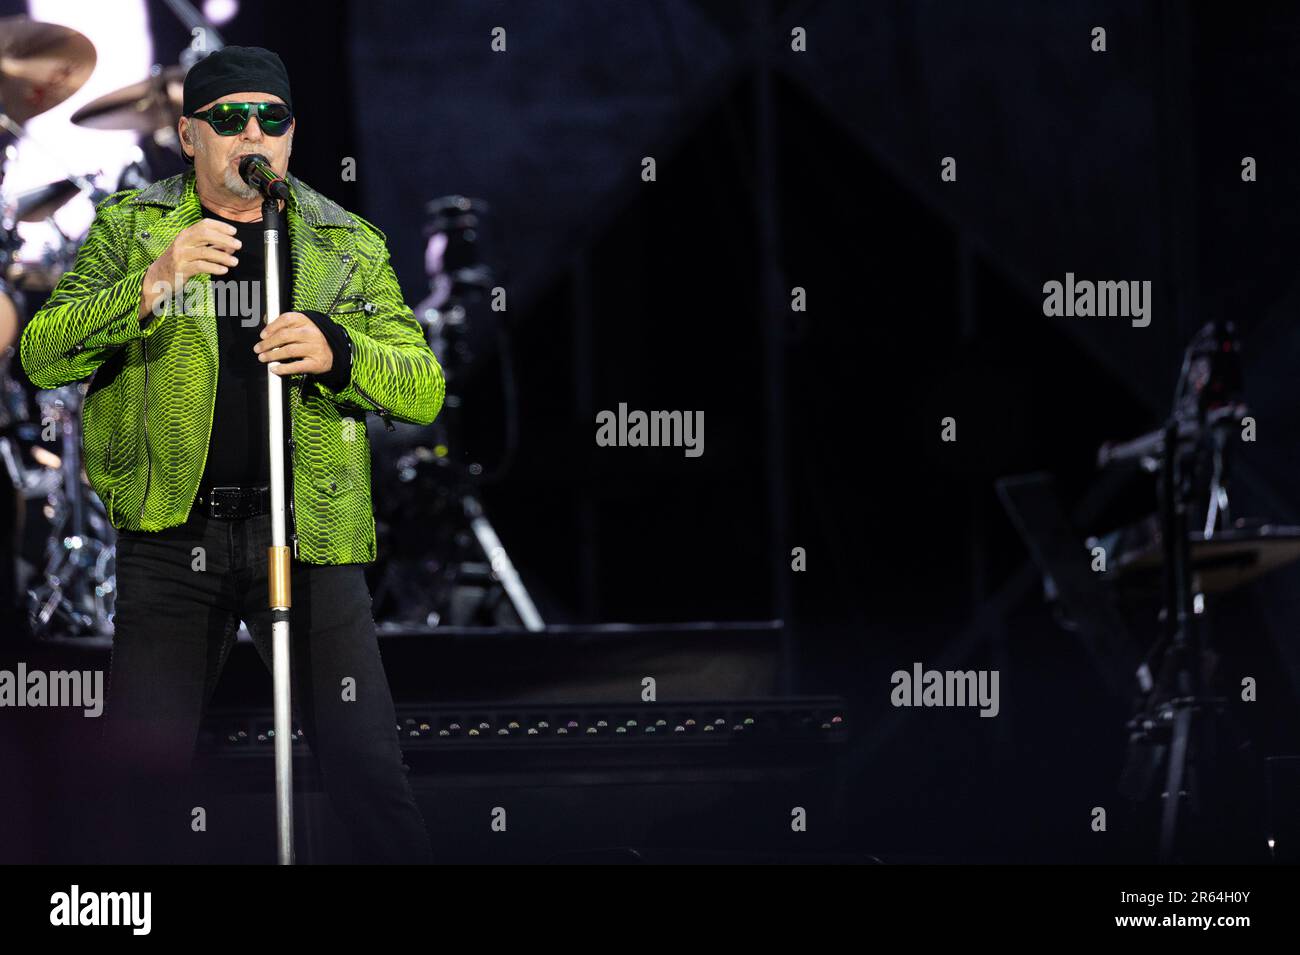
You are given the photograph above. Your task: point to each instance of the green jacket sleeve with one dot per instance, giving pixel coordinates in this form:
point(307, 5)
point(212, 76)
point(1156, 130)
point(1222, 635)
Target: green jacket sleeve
point(94, 308)
point(394, 372)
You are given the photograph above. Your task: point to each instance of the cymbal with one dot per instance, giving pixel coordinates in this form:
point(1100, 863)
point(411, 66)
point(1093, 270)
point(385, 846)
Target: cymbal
point(143, 107)
point(37, 205)
point(1223, 562)
point(41, 65)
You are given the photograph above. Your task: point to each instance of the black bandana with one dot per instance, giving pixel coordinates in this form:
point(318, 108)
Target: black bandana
point(235, 69)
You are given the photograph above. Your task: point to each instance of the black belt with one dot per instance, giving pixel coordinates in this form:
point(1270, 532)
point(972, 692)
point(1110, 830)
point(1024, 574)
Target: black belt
point(234, 503)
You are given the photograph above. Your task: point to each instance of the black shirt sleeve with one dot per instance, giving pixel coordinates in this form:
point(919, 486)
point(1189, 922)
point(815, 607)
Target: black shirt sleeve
point(340, 374)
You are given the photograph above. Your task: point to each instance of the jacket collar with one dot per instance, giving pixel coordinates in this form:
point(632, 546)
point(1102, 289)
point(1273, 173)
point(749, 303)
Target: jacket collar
point(305, 201)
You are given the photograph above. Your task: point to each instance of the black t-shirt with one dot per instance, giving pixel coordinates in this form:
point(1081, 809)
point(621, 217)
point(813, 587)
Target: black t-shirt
point(238, 452)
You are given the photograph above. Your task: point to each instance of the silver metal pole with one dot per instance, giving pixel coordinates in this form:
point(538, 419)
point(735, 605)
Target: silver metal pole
point(503, 567)
point(278, 565)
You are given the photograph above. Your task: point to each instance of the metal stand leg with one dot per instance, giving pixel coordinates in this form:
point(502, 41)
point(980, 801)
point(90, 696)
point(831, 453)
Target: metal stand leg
point(1174, 780)
point(501, 564)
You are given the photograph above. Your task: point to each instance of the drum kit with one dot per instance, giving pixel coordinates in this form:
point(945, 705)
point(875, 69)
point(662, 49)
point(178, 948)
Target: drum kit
point(64, 541)
point(62, 538)
point(1188, 753)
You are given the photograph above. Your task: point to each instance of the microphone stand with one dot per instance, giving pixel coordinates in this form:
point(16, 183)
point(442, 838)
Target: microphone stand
point(277, 562)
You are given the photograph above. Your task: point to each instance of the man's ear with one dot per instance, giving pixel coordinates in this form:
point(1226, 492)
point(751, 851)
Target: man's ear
point(183, 128)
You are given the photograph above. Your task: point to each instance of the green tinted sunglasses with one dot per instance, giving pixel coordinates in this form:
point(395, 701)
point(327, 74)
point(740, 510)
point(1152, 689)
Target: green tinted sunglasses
point(229, 119)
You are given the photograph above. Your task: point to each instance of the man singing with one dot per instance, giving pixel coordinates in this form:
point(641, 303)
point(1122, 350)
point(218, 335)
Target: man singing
point(164, 307)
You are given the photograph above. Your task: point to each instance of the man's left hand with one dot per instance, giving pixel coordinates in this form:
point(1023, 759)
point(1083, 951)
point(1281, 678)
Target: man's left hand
point(294, 346)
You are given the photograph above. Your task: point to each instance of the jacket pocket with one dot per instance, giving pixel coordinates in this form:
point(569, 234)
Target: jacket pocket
point(332, 485)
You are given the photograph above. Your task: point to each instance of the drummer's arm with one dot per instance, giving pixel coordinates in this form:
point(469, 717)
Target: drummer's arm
point(94, 309)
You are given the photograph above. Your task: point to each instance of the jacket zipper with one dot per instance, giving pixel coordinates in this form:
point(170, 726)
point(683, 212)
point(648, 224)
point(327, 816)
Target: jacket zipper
point(108, 469)
point(383, 412)
point(148, 457)
point(291, 477)
point(80, 346)
point(293, 468)
point(346, 279)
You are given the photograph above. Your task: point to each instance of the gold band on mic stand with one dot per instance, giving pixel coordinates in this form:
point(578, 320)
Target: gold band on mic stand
point(277, 577)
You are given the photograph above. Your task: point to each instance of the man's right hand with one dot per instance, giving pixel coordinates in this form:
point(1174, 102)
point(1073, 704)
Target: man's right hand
point(206, 246)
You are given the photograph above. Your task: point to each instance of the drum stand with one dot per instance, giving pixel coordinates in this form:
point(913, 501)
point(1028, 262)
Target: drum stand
point(1180, 703)
point(1184, 659)
point(76, 582)
point(1175, 733)
point(458, 276)
point(503, 569)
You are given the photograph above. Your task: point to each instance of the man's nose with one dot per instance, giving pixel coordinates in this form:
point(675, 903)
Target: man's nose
point(253, 129)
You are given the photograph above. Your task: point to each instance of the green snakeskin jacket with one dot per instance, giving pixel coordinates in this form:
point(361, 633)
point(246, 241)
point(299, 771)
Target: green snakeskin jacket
point(148, 411)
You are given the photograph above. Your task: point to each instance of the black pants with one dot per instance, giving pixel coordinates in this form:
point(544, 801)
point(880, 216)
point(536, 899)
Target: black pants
point(181, 595)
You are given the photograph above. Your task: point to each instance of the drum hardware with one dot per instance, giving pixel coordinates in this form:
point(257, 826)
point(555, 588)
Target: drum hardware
point(1191, 549)
point(41, 65)
point(36, 205)
point(16, 129)
point(1200, 551)
point(75, 595)
point(41, 274)
point(150, 107)
point(135, 174)
point(41, 203)
point(462, 574)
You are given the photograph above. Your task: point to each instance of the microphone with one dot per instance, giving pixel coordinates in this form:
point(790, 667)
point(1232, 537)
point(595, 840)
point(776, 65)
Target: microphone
point(257, 172)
